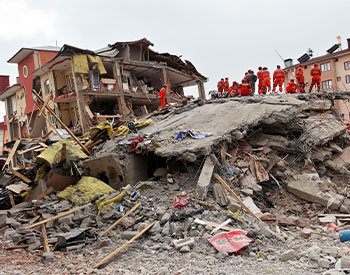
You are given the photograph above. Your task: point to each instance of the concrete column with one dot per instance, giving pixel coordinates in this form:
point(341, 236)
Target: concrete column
point(165, 81)
point(9, 130)
point(118, 76)
point(201, 90)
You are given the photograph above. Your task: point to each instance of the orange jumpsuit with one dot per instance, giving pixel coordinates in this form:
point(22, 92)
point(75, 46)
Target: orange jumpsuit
point(226, 86)
point(245, 89)
point(266, 80)
point(260, 77)
point(221, 86)
point(278, 78)
point(233, 90)
point(162, 94)
point(299, 74)
point(316, 78)
point(291, 88)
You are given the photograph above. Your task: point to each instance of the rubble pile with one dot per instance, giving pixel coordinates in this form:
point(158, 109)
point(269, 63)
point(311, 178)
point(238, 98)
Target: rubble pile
point(263, 177)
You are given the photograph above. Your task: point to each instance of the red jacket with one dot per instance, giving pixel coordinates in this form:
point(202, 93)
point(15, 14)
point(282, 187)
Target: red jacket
point(226, 85)
point(266, 74)
point(245, 89)
point(259, 74)
point(291, 88)
point(279, 73)
point(316, 72)
point(299, 72)
point(221, 85)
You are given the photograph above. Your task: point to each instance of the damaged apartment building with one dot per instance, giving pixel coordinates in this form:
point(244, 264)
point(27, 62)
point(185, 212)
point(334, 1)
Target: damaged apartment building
point(87, 87)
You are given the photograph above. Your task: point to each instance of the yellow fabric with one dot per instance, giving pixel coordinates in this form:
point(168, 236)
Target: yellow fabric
point(86, 190)
point(40, 174)
point(102, 126)
point(122, 130)
point(139, 124)
point(81, 65)
point(99, 65)
point(110, 204)
point(52, 154)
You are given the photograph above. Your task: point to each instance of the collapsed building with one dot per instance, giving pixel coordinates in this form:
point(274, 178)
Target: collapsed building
point(86, 87)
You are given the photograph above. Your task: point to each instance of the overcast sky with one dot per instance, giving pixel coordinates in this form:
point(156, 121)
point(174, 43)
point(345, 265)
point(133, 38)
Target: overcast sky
point(221, 38)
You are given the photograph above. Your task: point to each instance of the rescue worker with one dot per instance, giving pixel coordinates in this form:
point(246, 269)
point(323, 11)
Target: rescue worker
point(299, 74)
point(246, 74)
point(266, 79)
point(260, 77)
point(245, 89)
point(234, 89)
point(226, 85)
point(251, 79)
point(278, 79)
point(316, 78)
point(161, 95)
point(221, 86)
point(292, 87)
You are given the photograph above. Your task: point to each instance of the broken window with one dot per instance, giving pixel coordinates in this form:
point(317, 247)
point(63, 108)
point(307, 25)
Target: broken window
point(47, 86)
point(95, 79)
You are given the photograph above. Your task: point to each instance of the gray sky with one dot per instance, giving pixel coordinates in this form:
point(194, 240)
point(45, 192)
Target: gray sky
point(221, 38)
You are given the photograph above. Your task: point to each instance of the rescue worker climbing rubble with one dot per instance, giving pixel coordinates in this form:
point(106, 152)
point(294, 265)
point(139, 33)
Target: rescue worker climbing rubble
point(278, 79)
point(316, 78)
point(161, 95)
point(299, 74)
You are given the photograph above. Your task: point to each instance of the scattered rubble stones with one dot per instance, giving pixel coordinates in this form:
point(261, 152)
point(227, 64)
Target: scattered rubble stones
point(288, 255)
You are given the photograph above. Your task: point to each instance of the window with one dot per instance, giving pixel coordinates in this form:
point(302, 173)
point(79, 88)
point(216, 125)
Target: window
point(326, 85)
point(325, 67)
point(347, 78)
point(47, 86)
point(347, 65)
point(25, 71)
point(336, 60)
point(338, 78)
point(305, 67)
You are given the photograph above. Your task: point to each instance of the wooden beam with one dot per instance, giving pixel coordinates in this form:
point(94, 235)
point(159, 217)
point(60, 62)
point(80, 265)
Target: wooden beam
point(43, 195)
point(29, 149)
point(12, 201)
point(45, 103)
point(58, 216)
point(19, 175)
point(44, 236)
point(12, 153)
point(123, 246)
point(80, 102)
point(224, 184)
point(121, 219)
point(64, 126)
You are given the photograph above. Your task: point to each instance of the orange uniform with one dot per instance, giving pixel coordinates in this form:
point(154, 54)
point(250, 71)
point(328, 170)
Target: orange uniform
point(266, 80)
point(162, 94)
point(259, 74)
point(316, 78)
point(299, 74)
point(226, 85)
point(233, 89)
point(278, 78)
point(245, 89)
point(291, 88)
point(221, 86)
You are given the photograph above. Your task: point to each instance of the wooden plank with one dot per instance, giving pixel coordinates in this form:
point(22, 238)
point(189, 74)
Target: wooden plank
point(43, 144)
point(12, 153)
point(44, 236)
point(121, 219)
point(110, 256)
point(12, 201)
point(63, 152)
point(45, 103)
point(29, 149)
point(43, 195)
point(44, 138)
point(204, 179)
point(224, 184)
point(64, 126)
point(19, 175)
point(214, 224)
point(58, 216)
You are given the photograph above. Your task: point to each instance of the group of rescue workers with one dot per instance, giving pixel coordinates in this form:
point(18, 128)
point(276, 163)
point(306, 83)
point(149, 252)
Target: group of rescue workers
point(264, 85)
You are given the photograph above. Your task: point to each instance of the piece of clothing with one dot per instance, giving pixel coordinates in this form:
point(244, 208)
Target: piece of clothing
point(233, 90)
point(266, 80)
point(221, 86)
point(251, 79)
point(226, 86)
point(279, 73)
point(245, 89)
point(162, 94)
point(278, 82)
point(291, 88)
point(299, 74)
point(260, 77)
point(316, 78)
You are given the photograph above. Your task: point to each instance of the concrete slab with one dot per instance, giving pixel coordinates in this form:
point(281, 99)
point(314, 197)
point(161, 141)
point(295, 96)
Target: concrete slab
point(204, 179)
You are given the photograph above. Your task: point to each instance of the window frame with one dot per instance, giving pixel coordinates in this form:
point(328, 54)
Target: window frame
point(347, 65)
point(325, 67)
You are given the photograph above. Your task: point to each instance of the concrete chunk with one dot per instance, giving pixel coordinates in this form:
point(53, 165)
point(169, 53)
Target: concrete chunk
point(204, 179)
point(219, 194)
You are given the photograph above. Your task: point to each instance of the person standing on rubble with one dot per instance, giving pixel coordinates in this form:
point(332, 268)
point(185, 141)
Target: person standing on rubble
point(251, 79)
point(260, 78)
point(221, 86)
point(161, 95)
point(292, 87)
point(266, 80)
point(316, 78)
point(226, 85)
point(299, 74)
point(245, 89)
point(278, 79)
